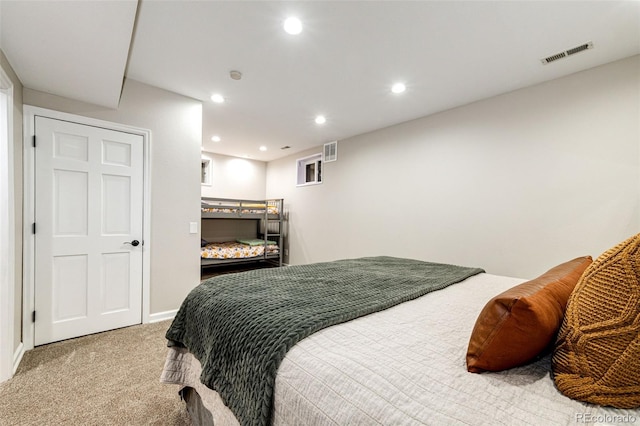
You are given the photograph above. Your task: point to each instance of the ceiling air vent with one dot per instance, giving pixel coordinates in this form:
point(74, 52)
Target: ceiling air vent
point(330, 152)
point(566, 53)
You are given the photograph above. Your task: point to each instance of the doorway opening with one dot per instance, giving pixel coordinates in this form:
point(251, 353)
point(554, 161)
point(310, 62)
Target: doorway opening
point(7, 231)
point(112, 156)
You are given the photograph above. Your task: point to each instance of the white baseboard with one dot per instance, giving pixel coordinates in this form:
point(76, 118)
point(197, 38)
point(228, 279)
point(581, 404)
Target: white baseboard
point(162, 316)
point(17, 357)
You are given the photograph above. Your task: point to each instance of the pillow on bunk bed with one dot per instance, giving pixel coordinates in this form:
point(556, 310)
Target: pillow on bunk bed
point(254, 242)
point(203, 242)
point(517, 325)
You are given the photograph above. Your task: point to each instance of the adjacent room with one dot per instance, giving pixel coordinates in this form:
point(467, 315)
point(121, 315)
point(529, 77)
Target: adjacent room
point(319, 212)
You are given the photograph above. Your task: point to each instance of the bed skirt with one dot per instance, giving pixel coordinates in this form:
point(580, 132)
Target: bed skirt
point(198, 413)
point(183, 369)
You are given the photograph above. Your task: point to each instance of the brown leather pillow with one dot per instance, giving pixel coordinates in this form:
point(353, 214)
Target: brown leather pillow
point(597, 354)
point(517, 325)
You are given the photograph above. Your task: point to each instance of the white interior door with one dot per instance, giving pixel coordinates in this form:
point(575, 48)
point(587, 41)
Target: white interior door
point(88, 229)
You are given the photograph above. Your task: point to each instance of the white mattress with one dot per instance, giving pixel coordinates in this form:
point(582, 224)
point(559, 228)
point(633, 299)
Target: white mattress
point(406, 366)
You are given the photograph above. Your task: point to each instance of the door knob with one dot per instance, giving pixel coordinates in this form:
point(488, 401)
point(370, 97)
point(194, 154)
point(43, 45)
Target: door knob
point(133, 243)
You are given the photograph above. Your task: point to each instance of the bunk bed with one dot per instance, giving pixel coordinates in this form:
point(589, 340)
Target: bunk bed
point(240, 231)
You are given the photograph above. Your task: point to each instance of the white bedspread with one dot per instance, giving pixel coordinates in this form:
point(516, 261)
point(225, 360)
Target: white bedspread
point(406, 366)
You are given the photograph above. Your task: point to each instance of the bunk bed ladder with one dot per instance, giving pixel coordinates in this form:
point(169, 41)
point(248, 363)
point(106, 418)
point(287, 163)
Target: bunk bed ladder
point(278, 203)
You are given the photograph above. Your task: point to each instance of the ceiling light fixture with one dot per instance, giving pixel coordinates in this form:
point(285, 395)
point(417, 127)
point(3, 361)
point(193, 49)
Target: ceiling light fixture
point(292, 25)
point(398, 88)
point(321, 119)
point(217, 98)
point(216, 138)
point(263, 148)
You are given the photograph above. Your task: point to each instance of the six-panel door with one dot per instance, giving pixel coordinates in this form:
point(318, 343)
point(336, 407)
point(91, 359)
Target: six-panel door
point(88, 209)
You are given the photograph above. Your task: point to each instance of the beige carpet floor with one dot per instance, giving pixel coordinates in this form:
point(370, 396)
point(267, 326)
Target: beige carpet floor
point(109, 378)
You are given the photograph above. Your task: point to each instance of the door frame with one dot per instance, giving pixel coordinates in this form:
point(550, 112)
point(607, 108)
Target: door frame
point(8, 363)
point(30, 114)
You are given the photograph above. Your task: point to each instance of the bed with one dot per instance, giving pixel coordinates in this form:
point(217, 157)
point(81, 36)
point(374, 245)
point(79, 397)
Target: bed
point(243, 249)
point(401, 365)
point(239, 231)
point(224, 208)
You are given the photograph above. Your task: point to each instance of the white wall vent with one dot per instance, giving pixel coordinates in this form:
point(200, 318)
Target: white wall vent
point(330, 152)
point(569, 52)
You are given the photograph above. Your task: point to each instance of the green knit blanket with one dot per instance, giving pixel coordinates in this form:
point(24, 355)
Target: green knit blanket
point(240, 326)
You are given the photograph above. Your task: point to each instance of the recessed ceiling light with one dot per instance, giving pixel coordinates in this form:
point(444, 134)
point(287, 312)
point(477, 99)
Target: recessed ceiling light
point(292, 25)
point(398, 88)
point(321, 119)
point(217, 98)
point(263, 148)
point(216, 138)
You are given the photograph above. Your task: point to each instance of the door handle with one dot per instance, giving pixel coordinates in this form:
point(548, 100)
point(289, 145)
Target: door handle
point(133, 243)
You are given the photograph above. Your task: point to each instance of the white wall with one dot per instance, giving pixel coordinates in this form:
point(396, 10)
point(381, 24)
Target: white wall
point(233, 177)
point(175, 122)
point(514, 184)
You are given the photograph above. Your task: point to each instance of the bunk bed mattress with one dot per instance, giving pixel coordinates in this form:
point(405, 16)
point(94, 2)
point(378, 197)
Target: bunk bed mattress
point(405, 365)
point(235, 250)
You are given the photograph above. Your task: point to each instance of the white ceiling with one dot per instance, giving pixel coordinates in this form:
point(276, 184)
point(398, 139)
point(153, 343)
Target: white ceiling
point(448, 53)
point(75, 49)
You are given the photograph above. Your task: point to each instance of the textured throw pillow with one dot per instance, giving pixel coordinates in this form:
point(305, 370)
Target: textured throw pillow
point(520, 323)
point(597, 354)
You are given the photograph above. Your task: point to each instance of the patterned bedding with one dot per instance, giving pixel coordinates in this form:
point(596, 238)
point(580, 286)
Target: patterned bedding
point(235, 250)
point(245, 209)
point(236, 210)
